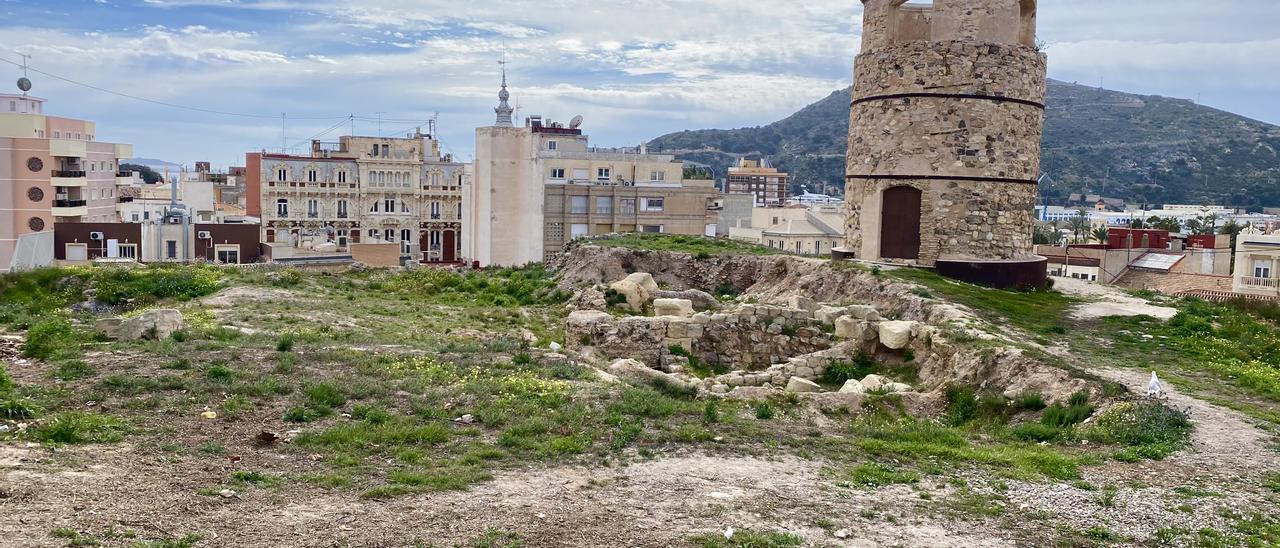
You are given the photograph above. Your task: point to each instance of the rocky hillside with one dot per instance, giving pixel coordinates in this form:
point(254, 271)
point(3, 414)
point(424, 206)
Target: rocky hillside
point(1143, 148)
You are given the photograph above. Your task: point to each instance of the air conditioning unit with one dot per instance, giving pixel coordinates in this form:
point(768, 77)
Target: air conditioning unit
point(204, 235)
point(96, 236)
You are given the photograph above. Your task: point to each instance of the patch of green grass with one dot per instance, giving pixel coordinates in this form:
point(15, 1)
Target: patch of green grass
point(18, 410)
point(71, 370)
point(324, 395)
point(494, 538)
point(749, 539)
point(1030, 401)
point(964, 406)
point(693, 245)
point(365, 437)
point(74, 538)
point(1272, 482)
point(72, 428)
point(1075, 411)
point(765, 411)
point(285, 343)
point(1100, 534)
point(1039, 312)
point(248, 477)
point(931, 443)
point(408, 482)
point(499, 287)
point(187, 541)
point(879, 475)
point(51, 338)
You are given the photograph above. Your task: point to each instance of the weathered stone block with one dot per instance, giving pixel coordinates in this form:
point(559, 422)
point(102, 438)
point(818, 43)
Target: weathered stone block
point(680, 308)
point(895, 335)
point(802, 386)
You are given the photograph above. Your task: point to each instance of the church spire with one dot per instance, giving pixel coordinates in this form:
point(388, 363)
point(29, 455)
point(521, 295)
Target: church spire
point(504, 109)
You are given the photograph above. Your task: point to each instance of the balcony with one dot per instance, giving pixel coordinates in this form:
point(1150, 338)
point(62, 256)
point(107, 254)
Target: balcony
point(68, 148)
point(69, 178)
point(1260, 283)
point(70, 208)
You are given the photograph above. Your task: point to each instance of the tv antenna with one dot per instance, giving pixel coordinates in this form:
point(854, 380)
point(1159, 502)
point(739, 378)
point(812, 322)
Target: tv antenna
point(24, 83)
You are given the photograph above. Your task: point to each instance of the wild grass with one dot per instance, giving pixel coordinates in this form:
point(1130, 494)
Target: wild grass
point(749, 539)
point(927, 443)
point(73, 428)
point(1039, 312)
point(698, 246)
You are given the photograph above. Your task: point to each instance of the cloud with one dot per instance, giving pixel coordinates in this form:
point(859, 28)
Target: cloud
point(635, 68)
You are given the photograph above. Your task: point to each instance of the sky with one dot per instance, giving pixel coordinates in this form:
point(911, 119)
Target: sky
point(634, 69)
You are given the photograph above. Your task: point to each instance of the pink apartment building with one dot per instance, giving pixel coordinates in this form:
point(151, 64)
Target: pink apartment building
point(52, 170)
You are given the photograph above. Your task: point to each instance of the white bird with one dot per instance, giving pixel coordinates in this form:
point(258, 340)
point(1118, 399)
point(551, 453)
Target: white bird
point(1153, 387)
point(728, 533)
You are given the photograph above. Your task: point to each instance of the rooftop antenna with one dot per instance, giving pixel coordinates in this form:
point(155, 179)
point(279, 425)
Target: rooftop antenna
point(24, 83)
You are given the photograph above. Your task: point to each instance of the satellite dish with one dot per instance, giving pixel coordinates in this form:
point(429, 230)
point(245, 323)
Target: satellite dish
point(576, 122)
point(24, 84)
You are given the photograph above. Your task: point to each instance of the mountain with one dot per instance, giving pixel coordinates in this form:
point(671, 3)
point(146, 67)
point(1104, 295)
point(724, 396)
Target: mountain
point(1146, 149)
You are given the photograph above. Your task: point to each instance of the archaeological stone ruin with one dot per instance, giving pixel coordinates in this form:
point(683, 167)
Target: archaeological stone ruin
point(944, 139)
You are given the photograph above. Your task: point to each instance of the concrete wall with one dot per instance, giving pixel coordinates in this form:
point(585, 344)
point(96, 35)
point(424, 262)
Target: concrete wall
point(245, 238)
point(508, 227)
point(79, 233)
point(1173, 283)
point(376, 254)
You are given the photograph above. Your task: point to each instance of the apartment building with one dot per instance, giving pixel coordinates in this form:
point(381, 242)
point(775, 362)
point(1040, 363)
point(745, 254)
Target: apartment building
point(770, 186)
point(52, 170)
point(813, 229)
point(1257, 271)
point(538, 186)
point(372, 190)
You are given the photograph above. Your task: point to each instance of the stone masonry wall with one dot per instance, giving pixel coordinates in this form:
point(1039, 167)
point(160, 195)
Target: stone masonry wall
point(947, 128)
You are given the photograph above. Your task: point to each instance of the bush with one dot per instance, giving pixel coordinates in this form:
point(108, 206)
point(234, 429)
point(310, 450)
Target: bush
point(1031, 401)
point(325, 395)
point(964, 406)
point(1151, 428)
point(765, 411)
point(16, 410)
point(370, 413)
point(839, 373)
point(289, 277)
point(285, 344)
point(1075, 412)
point(50, 338)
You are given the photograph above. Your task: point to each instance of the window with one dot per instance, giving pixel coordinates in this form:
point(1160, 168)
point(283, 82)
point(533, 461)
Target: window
point(817, 247)
point(602, 174)
point(57, 135)
point(13, 106)
point(404, 207)
point(604, 205)
point(389, 205)
point(657, 175)
point(375, 207)
point(282, 208)
point(375, 151)
point(389, 235)
point(373, 233)
point(342, 176)
point(405, 236)
point(551, 145)
point(579, 174)
point(342, 209)
point(797, 247)
point(1262, 268)
point(557, 173)
point(311, 176)
point(135, 217)
point(578, 205)
point(434, 239)
point(146, 215)
point(653, 204)
point(228, 254)
point(578, 231)
point(129, 251)
point(651, 228)
point(282, 175)
point(459, 211)
point(435, 210)
point(386, 151)
point(627, 206)
point(171, 249)
point(313, 208)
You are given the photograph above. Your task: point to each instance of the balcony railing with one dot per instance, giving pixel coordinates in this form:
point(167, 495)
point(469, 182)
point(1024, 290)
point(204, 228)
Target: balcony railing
point(604, 211)
point(68, 174)
point(128, 174)
point(69, 203)
point(1268, 283)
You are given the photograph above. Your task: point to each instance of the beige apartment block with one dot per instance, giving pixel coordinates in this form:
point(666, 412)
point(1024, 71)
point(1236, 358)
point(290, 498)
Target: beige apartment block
point(52, 170)
point(801, 229)
point(371, 190)
point(1257, 270)
point(755, 177)
point(539, 186)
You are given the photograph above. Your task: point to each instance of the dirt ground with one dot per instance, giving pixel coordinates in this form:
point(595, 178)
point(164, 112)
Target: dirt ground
point(1107, 301)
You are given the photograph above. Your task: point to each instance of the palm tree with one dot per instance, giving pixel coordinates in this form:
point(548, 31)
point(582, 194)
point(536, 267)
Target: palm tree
point(1099, 234)
point(1079, 225)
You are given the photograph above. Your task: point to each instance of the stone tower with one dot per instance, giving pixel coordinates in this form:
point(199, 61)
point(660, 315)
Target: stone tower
point(944, 139)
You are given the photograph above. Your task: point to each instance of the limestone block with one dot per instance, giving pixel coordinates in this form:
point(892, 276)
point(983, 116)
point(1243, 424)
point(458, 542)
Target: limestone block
point(677, 329)
point(895, 335)
point(897, 387)
point(853, 386)
point(645, 281)
point(804, 372)
point(155, 324)
point(874, 382)
point(634, 372)
point(802, 386)
point(589, 320)
point(853, 329)
point(864, 312)
point(802, 303)
point(828, 314)
point(636, 296)
point(681, 308)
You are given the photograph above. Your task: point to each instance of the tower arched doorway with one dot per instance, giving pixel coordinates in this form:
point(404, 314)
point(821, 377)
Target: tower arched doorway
point(900, 223)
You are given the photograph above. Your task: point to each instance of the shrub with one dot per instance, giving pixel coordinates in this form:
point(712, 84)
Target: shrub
point(711, 413)
point(1075, 412)
point(370, 413)
point(839, 373)
point(49, 338)
point(1031, 401)
point(765, 411)
point(285, 343)
point(17, 410)
point(289, 277)
point(324, 395)
point(964, 406)
point(879, 475)
point(70, 370)
point(1151, 428)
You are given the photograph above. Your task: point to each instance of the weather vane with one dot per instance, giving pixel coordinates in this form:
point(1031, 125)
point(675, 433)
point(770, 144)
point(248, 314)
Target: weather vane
point(24, 84)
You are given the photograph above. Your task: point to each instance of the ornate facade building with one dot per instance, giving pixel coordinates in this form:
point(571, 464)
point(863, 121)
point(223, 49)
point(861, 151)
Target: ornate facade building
point(944, 138)
point(361, 190)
